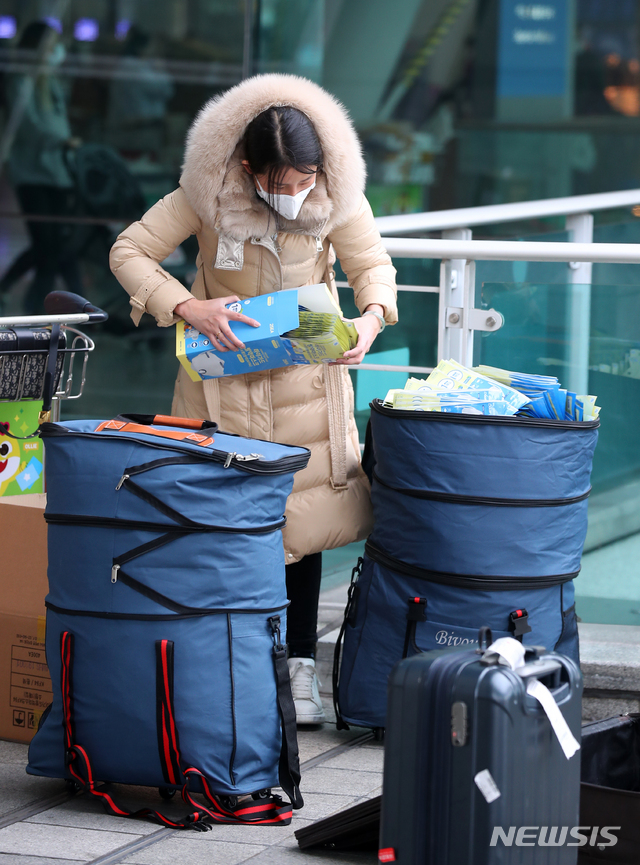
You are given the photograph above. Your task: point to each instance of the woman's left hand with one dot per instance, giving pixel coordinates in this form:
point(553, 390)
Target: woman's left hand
point(368, 328)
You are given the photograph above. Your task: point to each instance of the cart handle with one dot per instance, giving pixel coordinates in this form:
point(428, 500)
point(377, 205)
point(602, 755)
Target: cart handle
point(68, 303)
point(167, 420)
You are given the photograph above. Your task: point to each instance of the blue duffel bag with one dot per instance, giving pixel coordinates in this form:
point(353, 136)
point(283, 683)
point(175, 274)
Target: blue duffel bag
point(165, 611)
point(479, 521)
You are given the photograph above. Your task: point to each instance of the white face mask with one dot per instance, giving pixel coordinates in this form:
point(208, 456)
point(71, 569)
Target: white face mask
point(286, 205)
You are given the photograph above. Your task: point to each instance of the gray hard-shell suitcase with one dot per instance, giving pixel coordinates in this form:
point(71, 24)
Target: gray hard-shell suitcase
point(453, 717)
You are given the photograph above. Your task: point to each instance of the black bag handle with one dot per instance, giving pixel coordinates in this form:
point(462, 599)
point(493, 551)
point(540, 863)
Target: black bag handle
point(349, 616)
point(169, 420)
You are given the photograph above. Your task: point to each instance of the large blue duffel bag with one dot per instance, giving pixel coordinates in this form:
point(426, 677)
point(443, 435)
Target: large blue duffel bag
point(166, 603)
point(479, 521)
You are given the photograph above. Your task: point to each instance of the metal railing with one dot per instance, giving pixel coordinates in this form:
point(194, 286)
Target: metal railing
point(458, 319)
point(492, 214)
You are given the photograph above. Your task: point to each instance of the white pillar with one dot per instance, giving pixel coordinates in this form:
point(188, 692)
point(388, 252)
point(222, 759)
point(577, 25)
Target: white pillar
point(580, 227)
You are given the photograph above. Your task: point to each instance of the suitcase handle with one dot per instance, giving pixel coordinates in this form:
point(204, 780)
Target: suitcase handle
point(168, 420)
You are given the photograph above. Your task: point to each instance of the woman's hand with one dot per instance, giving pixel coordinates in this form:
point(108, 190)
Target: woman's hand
point(212, 318)
point(368, 328)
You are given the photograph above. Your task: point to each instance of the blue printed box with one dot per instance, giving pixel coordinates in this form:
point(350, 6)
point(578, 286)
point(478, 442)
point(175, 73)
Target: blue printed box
point(265, 346)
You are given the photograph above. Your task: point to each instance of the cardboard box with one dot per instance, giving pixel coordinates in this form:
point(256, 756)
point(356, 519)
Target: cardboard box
point(267, 346)
point(21, 462)
point(25, 685)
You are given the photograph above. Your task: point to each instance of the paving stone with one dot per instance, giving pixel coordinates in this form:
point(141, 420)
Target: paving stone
point(82, 813)
point(358, 759)
point(281, 856)
point(36, 839)
point(16, 859)
point(85, 813)
point(354, 783)
point(264, 835)
point(610, 656)
point(311, 743)
point(194, 850)
point(320, 805)
point(13, 752)
point(18, 789)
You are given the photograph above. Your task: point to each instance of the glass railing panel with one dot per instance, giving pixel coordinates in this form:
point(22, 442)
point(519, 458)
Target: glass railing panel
point(546, 272)
point(538, 337)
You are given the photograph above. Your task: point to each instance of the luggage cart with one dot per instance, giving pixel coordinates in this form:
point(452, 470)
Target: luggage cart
point(38, 353)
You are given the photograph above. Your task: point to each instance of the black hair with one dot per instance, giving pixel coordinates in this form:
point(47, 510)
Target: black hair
point(279, 138)
point(34, 35)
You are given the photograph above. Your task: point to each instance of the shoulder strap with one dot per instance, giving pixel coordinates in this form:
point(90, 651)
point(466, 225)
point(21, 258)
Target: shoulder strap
point(349, 617)
point(289, 769)
point(338, 421)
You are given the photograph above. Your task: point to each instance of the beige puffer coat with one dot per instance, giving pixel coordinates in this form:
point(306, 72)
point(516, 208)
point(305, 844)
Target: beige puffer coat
point(240, 254)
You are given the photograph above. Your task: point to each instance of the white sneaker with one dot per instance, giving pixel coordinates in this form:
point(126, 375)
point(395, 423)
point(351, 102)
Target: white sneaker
point(304, 687)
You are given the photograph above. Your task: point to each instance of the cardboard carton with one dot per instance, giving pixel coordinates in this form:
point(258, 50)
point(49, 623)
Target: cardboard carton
point(25, 685)
point(275, 343)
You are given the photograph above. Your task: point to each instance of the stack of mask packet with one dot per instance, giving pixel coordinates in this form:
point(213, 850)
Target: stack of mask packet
point(547, 399)
point(487, 390)
point(453, 388)
point(298, 326)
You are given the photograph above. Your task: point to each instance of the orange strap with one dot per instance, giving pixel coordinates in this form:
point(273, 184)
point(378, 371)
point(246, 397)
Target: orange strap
point(121, 426)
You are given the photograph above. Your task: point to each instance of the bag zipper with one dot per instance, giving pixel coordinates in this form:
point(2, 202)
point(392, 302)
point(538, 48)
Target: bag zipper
point(457, 499)
point(465, 581)
point(253, 463)
point(449, 417)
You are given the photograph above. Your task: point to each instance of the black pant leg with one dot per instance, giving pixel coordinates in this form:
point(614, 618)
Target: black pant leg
point(303, 590)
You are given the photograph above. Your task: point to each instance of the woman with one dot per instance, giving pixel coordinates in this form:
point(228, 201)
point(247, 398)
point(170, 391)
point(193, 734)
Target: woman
point(38, 168)
point(272, 184)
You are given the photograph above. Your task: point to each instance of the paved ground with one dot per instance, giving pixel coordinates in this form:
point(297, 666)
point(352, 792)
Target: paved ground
point(41, 825)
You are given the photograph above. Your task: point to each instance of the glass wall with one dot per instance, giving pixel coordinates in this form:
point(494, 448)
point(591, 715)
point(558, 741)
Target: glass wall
point(457, 103)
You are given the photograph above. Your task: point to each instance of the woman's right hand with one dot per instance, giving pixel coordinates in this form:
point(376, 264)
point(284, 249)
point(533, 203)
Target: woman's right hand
point(212, 318)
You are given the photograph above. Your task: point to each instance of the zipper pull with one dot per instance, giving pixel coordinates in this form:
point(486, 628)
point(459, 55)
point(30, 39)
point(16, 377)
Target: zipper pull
point(241, 458)
point(319, 246)
point(114, 573)
point(121, 481)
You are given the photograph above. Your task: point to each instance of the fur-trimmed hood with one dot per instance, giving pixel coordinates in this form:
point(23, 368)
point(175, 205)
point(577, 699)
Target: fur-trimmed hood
point(223, 194)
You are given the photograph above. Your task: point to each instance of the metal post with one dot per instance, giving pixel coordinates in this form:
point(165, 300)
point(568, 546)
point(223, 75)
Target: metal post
point(455, 341)
point(580, 226)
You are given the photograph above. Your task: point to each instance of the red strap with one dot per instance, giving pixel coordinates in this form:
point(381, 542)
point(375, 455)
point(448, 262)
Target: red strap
point(260, 812)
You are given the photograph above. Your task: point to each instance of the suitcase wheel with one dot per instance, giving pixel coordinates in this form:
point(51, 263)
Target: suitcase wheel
point(378, 734)
point(167, 792)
